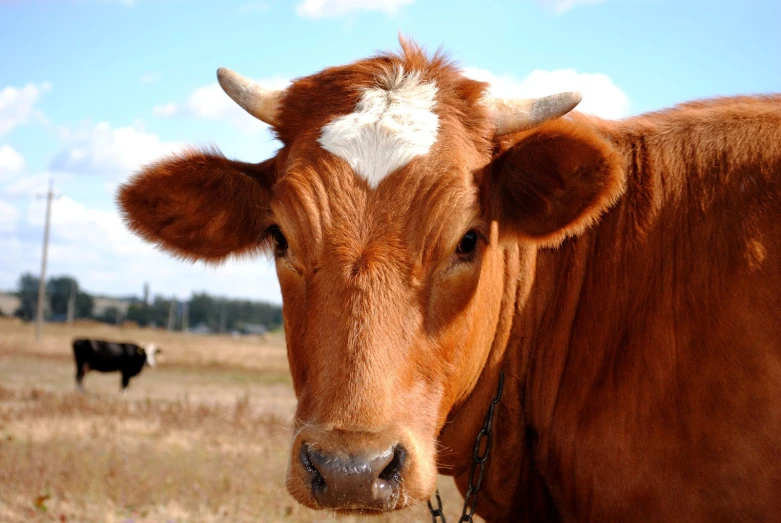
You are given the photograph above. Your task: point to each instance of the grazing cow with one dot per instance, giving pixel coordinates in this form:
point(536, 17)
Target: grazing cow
point(624, 276)
point(108, 356)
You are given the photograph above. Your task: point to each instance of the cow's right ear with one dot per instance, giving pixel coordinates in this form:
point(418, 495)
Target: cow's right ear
point(553, 182)
point(199, 205)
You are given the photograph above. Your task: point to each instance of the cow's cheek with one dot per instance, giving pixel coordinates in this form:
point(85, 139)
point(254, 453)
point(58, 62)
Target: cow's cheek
point(467, 340)
point(419, 418)
point(293, 287)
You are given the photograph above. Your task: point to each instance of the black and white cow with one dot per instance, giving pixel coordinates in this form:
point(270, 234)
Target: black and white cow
point(107, 356)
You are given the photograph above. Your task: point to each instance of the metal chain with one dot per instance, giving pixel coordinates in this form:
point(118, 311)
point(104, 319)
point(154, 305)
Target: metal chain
point(479, 457)
point(437, 515)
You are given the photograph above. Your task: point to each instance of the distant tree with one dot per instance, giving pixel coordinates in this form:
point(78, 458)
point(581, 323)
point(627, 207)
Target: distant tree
point(28, 297)
point(58, 290)
point(155, 313)
point(84, 305)
point(240, 312)
point(158, 311)
point(110, 315)
point(202, 308)
point(138, 314)
point(206, 309)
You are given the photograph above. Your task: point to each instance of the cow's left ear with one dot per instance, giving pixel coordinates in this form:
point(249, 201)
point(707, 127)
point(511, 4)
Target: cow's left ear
point(200, 205)
point(553, 181)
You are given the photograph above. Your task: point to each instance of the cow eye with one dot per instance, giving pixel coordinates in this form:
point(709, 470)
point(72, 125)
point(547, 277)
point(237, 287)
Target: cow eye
point(280, 242)
point(468, 243)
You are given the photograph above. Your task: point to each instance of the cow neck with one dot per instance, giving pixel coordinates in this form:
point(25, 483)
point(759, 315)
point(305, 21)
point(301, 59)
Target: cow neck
point(542, 294)
point(547, 321)
point(457, 438)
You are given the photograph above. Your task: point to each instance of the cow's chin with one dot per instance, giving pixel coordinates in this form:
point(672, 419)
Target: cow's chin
point(356, 472)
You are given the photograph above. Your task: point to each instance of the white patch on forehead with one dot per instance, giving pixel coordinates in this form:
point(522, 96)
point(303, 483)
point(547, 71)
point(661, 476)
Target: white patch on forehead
point(392, 124)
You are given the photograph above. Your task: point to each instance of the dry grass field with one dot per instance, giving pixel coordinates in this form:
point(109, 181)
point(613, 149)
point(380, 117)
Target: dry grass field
point(203, 437)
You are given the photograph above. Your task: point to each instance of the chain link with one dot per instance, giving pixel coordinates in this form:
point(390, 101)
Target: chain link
point(479, 457)
point(437, 516)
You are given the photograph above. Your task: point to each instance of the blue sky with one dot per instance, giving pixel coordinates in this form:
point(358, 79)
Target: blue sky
point(92, 89)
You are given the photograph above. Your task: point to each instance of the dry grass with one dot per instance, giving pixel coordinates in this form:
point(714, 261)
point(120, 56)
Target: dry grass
point(250, 352)
point(203, 438)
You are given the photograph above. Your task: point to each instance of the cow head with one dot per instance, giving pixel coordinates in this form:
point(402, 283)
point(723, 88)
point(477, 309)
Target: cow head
point(152, 351)
point(389, 210)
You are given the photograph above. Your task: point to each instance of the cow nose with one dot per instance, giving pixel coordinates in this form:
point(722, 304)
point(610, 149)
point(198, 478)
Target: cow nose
point(364, 481)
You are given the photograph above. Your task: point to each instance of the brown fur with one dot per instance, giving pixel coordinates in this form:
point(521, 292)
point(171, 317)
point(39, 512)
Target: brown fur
point(542, 195)
point(187, 204)
point(627, 281)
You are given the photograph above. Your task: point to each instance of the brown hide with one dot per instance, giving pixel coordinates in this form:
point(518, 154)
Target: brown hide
point(627, 280)
point(647, 358)
point(185, 203)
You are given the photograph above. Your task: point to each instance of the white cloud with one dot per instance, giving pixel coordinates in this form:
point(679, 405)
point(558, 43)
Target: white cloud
point(601, 97)
point(11, 163)
point(9, 215)
point(334, 8)
point(102, 149)
point(76, 223)
point(149, 78)
point(17, 105)
point(30, 185)
point(95, 246)
point(167, 109)
point(211, 103)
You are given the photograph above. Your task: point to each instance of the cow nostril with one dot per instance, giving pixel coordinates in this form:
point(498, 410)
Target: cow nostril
point(318, 482)
point(354, 481)
point(392, 472)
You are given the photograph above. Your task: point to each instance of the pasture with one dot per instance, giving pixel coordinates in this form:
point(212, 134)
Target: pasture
point(203, 437)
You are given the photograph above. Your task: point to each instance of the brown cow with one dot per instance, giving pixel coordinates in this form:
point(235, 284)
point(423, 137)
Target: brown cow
point(625, 277)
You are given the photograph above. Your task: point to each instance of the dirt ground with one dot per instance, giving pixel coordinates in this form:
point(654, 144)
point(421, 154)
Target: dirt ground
point(204, 437)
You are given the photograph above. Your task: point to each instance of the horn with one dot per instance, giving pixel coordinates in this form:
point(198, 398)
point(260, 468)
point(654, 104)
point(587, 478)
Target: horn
point(520, 114)
point(261, 103)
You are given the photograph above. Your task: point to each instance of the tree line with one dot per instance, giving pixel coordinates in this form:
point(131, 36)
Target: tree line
point(201, 310)
point(217, 314)
point(58, 293)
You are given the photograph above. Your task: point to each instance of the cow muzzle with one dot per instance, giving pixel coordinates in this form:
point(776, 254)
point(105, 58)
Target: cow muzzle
point(351, 470)
point(366, 481)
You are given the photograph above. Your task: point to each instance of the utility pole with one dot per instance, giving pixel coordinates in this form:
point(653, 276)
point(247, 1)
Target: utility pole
point(72, 304)
point(172, 315)
point(145, 307)
point(146, 295)
point(42, 281)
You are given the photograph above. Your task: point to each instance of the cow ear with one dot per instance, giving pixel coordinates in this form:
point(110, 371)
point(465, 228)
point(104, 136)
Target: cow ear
point(553, 181)
point(199, 205)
